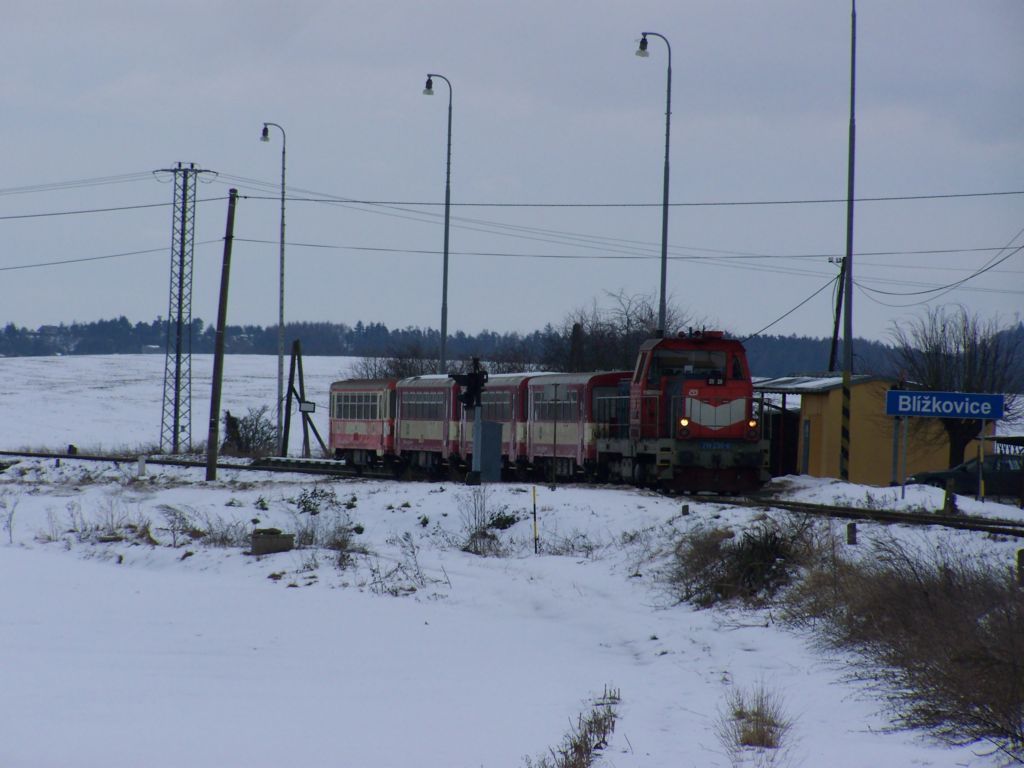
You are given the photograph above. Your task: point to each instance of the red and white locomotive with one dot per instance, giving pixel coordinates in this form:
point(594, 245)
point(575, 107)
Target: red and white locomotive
point(683, 419)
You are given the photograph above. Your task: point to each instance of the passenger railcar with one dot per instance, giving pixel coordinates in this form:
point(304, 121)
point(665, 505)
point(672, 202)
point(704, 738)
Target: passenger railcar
point(362, 421)
point(567, 413)
point(503, 401)
point(427, 422)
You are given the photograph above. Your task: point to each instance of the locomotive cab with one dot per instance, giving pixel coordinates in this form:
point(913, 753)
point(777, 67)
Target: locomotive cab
point(692, 422)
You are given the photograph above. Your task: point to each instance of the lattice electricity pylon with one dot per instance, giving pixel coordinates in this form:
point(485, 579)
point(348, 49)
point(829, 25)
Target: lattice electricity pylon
point(176, 424)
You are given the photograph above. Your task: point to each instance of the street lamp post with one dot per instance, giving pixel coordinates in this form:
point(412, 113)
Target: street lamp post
point(282, 449)
point(642, 51)
point(429, 91)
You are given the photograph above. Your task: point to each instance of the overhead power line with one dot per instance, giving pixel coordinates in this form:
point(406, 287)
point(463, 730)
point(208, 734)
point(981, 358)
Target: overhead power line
point(77, 183)
point(81, 211)
point(933, 293)
point(786, 314)
point(691, 204)
point(84, 259)
point(719, 255)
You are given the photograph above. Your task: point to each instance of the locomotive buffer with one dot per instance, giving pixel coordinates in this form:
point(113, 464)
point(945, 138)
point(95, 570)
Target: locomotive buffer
point(472, 386)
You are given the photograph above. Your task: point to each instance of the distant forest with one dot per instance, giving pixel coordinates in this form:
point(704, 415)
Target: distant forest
point(769, 355)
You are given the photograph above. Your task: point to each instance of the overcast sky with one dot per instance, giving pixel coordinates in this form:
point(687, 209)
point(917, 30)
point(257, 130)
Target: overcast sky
point(550, 106)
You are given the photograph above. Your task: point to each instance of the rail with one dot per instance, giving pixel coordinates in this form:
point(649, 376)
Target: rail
point(994, 525)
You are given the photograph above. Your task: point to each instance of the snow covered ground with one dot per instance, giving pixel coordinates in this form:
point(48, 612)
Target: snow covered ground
point(151, 648)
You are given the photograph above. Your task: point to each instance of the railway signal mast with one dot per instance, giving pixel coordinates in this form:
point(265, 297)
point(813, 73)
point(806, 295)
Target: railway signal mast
point(472, 386)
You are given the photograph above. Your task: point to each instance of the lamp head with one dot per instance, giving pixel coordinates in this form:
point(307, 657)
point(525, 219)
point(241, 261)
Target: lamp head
point(265, 136)
point(642, 50)
point(429, 89)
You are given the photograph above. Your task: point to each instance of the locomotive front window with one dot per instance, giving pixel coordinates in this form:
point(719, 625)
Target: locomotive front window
point(690, 364)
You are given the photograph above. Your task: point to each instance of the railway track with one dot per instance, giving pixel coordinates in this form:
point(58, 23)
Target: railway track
point(332, 468)
point(328, 467)
point(994, 525)
point(115, 459)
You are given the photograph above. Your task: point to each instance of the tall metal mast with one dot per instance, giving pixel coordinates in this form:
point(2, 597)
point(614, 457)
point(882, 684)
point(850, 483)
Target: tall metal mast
point(844, 448)
point(176, 423)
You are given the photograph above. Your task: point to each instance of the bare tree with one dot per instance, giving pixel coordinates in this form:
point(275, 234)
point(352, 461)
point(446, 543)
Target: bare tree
point(403, 362)
point(951, 350)
point(596, 338)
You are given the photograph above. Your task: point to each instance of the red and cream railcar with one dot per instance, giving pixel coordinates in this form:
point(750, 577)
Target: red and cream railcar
point(503, 401)
point(428, 420)
point(362, 421)
point(567, 415)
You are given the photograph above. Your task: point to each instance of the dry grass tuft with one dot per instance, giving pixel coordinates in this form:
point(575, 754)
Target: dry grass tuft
point(584, 742)
point(753, 725)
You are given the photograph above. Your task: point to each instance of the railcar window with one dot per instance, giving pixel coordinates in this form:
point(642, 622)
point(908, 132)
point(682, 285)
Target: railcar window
point(563, 408)
point(357, 405)
point(422, 405)
point(497, 406)
point(609, 406)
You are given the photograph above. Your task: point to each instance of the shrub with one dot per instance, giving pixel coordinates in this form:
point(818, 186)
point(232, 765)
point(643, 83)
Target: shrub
point(480, 520)
point(313, 501)
point(405, 576)
point(333, 532)
point(502, 520)
point(251, 435)
point(8, 506)
point(712, 565)
point(215, 531)
point(943, 633)
point(575, 544)
point(482, 542)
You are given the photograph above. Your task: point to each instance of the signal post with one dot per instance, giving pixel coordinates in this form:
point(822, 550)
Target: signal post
point(472, 385)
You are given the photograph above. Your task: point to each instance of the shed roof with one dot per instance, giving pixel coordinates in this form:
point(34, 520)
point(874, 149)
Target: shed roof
point(803, 385)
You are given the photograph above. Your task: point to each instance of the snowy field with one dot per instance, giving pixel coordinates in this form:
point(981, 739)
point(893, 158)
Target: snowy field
point(124, 641)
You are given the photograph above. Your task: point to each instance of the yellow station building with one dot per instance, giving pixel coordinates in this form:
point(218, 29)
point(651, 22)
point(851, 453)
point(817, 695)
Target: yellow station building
point(876, 440)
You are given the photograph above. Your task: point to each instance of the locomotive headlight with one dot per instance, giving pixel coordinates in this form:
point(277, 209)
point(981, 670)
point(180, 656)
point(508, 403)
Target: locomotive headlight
point(752, 423)
point(684, 422)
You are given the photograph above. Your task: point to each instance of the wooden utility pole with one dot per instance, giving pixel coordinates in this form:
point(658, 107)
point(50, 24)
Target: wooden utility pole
point(218, 355)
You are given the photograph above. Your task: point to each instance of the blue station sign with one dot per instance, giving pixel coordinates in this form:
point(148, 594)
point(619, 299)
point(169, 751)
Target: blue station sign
point(944, 405)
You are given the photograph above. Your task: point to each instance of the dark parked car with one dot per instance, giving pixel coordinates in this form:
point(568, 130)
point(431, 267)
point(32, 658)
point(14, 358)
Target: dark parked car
point(1003, 473)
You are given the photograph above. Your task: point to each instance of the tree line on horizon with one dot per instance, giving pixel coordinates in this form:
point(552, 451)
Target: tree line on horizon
point(590, 347)
point(587, 339)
